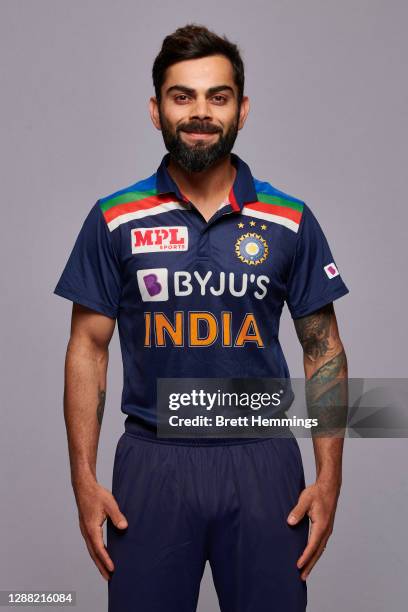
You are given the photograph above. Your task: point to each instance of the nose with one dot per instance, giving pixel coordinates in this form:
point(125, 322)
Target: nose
point(201, 109)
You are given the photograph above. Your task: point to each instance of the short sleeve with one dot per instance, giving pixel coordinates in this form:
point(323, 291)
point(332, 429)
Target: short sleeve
point(91, 276)
point(314, 279)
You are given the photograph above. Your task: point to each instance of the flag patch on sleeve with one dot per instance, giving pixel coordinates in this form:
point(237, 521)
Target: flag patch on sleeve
point(331, 270)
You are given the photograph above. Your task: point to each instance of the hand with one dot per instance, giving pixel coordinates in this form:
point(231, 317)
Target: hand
point(95, 504)
point(319, 502)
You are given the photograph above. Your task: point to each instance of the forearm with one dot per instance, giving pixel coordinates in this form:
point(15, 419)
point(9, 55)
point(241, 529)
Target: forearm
point(326, 373)
point(326, 395)
point(84, 398)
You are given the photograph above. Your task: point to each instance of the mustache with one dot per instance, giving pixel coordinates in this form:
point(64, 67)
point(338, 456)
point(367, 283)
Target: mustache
point(199, 127)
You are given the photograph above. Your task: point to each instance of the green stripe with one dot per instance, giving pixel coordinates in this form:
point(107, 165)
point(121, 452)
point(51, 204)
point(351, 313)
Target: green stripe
point(124, 198)
point(277, 201)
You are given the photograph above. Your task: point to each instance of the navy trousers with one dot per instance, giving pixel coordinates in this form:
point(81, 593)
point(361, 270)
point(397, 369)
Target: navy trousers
point(222, 502)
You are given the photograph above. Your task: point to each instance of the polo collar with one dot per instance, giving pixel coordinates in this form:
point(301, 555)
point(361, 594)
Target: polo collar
point(242, 190)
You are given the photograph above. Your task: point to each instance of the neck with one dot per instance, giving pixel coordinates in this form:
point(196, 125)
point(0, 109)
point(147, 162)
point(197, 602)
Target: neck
point(213, 184)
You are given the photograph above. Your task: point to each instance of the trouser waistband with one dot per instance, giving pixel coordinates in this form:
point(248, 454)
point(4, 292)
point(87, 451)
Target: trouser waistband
point(137, 427)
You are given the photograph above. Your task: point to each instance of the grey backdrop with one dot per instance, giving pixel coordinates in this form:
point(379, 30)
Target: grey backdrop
point(328, 123)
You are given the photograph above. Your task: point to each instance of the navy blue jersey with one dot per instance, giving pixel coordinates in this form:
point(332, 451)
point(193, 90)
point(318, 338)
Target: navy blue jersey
point(194, 298)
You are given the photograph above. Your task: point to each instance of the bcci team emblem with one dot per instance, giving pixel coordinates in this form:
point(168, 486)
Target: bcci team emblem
point(251, 248)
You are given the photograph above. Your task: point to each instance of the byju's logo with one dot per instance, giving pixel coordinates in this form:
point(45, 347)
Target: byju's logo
point(153, 284)
point(149, 239)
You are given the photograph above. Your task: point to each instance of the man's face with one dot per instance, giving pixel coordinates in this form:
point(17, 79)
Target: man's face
point(199, 115)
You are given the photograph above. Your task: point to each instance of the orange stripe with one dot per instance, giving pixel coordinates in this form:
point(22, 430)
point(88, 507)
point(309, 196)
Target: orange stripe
point(127, 207)
point(273, 209)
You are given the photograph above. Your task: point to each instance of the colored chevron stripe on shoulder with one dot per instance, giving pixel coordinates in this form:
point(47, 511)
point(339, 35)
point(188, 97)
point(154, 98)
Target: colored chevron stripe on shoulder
point(135, 202)
point(275, 206)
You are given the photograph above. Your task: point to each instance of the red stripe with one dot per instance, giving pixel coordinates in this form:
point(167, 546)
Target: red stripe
point(273, 209)
point(127, 207)
point(233, 200)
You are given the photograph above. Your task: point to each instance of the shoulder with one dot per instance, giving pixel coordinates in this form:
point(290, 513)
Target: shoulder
point(277, 205)
point(122, 201)
point(266, 189)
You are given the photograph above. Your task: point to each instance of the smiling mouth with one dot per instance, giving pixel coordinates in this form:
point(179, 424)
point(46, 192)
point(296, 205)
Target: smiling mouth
point(199, 135)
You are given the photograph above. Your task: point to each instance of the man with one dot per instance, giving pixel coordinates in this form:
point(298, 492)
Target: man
point(195, 262)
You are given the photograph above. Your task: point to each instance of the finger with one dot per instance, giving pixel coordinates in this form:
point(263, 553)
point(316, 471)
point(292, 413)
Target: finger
point(113, 511)
point(310, 565)
point(298, 512)
point(96, 560)
point(102, 570)
point(316, 537)
point(98, 546)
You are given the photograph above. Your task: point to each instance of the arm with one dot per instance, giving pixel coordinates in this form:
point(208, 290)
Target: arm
point(84, 398)
point(325, 366)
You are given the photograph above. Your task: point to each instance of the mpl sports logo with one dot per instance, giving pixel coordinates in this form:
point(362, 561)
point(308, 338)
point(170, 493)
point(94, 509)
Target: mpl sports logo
point(151, 239)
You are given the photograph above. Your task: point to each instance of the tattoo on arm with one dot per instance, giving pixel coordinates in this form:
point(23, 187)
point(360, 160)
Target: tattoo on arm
point(327, 395)
point(101, 406)
point(326, 387)
point(314, 331)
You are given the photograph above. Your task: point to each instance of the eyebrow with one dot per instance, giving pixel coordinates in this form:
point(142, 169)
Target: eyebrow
point(211, 91)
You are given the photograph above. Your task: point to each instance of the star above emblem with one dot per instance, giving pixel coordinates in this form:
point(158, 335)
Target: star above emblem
point(263, 226)
point(252, 223)
point(240, 225)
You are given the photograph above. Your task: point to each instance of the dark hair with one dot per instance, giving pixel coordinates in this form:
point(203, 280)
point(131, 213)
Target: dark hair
point(193, 41)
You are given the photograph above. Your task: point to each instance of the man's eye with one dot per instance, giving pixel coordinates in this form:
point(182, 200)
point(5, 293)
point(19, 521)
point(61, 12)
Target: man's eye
point(219, 99)
point(181, 98)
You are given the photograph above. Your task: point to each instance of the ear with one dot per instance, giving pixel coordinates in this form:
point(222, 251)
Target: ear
point(243, 112)
point(154, 112)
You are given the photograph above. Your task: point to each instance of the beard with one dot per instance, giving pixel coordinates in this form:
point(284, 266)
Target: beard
point(200, 155)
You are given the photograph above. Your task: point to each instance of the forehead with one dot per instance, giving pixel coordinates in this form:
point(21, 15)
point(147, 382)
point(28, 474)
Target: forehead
point(201, 73)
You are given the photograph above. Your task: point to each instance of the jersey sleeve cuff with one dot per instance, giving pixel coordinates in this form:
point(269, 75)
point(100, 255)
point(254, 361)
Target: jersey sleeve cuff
point(327, 298)
point(84, 301)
